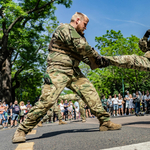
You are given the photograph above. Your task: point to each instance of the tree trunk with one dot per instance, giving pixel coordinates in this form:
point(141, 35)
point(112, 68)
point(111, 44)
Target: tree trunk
point(6, 81)
point(1, 95)
point(17, 85)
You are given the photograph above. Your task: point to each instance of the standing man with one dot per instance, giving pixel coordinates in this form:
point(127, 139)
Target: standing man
point(143, 101)
point(68, 48)
point(14, 112)
point(28, 105)
point(147, 99)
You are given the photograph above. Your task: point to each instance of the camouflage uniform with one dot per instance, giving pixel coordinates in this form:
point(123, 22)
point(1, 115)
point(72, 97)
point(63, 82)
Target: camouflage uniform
point(80, 101)
point(54, 109)
point(141, 63)
point(64, 72)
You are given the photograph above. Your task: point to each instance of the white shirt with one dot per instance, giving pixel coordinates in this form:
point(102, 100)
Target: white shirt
point(147, 97)
point(71, 105)
point(119, 101)
point(61, 106)
point(115, 100)
point(130, 101)
point(23, 107)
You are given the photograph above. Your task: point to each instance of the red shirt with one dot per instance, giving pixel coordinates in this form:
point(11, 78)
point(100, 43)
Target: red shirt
point(2, 109)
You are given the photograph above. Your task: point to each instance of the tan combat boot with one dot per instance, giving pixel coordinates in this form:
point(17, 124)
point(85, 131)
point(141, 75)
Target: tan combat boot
point(61, 122)
point(19, 136)
point(83, 120)
point(40, 124)
point(105, 126)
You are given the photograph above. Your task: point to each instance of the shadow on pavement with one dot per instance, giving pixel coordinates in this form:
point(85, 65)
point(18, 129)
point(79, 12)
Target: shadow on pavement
point(51, 134)
point(140, 122)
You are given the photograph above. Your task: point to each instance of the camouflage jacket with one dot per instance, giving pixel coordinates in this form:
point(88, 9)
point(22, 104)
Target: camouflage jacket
point(144, 45)
point(76, 43)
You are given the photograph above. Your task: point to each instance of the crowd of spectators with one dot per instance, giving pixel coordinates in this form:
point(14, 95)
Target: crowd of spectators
point(116, 105)
point(70, 110)
point(13, 113)
point(129, 105)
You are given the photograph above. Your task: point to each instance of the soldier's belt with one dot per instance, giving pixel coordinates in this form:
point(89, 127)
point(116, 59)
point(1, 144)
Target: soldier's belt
point(60, 47)
point(66, 51)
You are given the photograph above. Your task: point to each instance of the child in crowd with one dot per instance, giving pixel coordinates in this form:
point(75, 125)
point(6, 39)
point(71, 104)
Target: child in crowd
point(5, 117)
point(77, 112)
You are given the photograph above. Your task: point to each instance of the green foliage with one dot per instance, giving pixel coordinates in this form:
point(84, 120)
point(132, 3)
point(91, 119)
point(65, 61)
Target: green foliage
point(30, 24)
point(66, 91)
point(109, 80)
point(31, 82)
point(84, 68)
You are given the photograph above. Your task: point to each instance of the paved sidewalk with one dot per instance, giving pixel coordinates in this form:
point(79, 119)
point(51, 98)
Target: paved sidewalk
point(131, 121)
point(77, 135)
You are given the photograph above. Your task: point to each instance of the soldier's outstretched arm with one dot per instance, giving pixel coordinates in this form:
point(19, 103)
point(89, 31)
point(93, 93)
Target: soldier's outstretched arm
point(141, 63)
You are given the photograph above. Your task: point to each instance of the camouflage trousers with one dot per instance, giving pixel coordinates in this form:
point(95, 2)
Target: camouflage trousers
point(55, 109)
point(50, 93)
point(141, 63)
point(81, 109)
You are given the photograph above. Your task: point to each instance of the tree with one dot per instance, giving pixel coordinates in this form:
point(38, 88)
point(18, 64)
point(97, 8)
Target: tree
point(22, 43)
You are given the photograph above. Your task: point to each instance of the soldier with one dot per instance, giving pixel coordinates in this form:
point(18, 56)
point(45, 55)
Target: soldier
point(80, 101)
point(55, 109)
point(141, 63)
point(67, 48)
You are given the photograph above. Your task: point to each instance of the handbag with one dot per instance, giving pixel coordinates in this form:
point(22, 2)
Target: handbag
point(22, 113)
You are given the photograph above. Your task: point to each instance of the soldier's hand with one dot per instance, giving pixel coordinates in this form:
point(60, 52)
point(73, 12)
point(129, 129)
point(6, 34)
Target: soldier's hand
point(101, 61)
point(147, 33)
point(47, 79)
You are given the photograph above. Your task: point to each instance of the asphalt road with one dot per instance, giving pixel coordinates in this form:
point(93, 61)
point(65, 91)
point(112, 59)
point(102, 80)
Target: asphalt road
point(78, 135)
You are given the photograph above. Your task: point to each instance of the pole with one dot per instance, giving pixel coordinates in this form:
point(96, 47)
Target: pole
point(123, 86)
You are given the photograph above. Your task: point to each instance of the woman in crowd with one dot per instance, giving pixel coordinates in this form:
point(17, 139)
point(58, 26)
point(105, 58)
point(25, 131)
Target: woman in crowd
point(70, 110)
point(87, 112)
point(110, 105)
point(120, 102)
point(61, 105)
point(23, 110)
point(131, 104)
point(115, 104)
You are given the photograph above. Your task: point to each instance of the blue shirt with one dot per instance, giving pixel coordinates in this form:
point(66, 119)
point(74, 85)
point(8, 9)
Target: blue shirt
point(15, 109)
